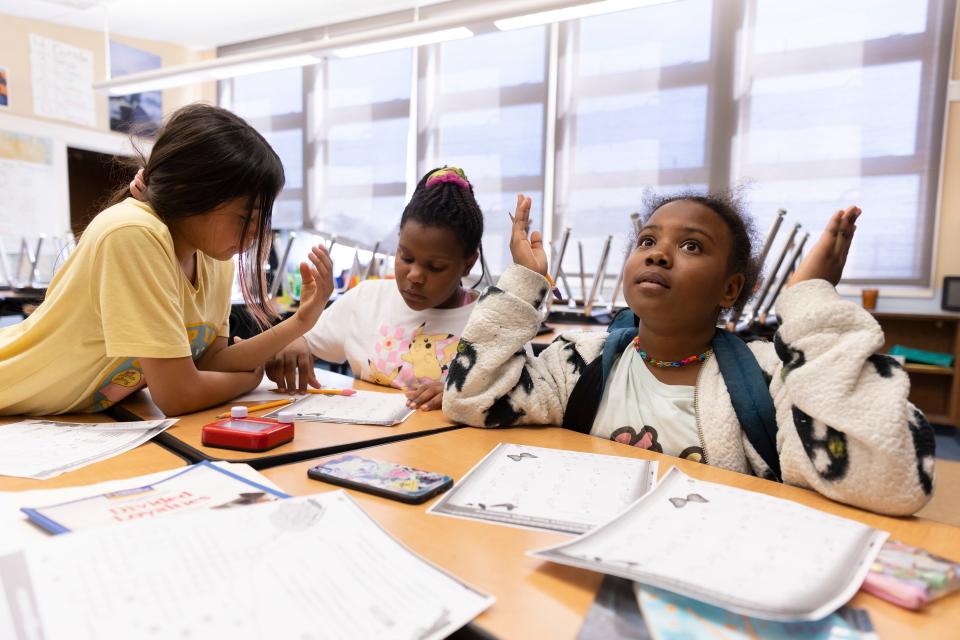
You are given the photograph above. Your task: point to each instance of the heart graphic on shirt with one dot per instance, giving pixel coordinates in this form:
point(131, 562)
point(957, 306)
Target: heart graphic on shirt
point(646, 439)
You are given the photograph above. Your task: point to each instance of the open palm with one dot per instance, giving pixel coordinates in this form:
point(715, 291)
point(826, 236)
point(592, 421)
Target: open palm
point(828, 257)
point(317, 286)
point(526, 251)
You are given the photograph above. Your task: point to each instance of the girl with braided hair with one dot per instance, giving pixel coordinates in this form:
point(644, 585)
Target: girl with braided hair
point(404, 333)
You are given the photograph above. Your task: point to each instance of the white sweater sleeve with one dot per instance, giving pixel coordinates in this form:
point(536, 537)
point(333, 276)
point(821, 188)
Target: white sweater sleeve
point(846, 426)
point(494, 380)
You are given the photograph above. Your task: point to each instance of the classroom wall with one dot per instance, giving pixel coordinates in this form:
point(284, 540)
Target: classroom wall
point(947, 257)
point(15, 55)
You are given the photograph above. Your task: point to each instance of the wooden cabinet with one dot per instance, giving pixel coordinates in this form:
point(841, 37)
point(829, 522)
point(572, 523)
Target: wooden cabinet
point(935, 390)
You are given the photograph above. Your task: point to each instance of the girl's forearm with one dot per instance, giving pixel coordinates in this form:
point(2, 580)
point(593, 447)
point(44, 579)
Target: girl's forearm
point(203, 390)
point(254, 352)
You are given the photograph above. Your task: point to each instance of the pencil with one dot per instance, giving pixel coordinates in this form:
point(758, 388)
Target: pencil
point(332, 392)
point(260, 407)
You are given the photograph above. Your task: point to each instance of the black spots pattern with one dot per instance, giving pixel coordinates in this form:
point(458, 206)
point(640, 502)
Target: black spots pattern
point(540, 298)
point(502, 414)
point(491, 291)
point(884, 364)
point(574, 358)
point(526, 381)
point(461, 364)
point(925, 445)
point(791, 358)
point(828, 453)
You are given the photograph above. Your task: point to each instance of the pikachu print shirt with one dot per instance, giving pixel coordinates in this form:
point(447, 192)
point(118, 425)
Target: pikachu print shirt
point(385, 341)
point(119, 297)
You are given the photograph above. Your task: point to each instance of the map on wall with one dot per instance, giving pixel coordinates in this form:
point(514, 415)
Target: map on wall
point(28, 204)
point(62, 77)
point(138, 113)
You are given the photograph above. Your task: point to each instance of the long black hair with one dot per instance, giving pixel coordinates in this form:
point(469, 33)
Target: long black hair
point(203, 157)
point(444, 198)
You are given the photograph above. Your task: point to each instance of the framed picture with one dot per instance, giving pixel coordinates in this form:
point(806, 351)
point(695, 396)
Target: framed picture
point(139, 113)
point(4, 89)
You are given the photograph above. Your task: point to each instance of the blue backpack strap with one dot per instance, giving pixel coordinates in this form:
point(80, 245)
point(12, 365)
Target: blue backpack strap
point(584, 400)
point(625, 319)
point(749, 395)
point(617, 341)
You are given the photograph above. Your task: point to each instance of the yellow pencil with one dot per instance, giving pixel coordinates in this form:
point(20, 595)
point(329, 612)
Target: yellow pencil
point(260, 407)
point(332, 392)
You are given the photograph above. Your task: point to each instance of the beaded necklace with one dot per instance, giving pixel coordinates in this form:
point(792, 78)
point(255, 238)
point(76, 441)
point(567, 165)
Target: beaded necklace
point(669, 363)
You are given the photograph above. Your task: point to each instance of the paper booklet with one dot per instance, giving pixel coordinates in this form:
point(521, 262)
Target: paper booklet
point(363, 407)
point(18, 530)
point(309, 567)
point(550, 489)
point(42, 449)
point(201, 486)
point(746, 552)
point(672, 617)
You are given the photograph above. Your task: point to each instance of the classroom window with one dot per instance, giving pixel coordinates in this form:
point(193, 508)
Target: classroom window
point(842, 103)
point(358, 145)
point(482, 106)
point(273, 103)
point(633, 113)
point(810, 106)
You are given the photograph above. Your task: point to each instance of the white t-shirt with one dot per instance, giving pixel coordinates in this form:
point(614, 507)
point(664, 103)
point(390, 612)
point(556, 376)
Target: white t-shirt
point(385, 341)
point(638, 409)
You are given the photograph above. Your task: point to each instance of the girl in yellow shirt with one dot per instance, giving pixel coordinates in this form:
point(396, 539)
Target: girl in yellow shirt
point(145, 298)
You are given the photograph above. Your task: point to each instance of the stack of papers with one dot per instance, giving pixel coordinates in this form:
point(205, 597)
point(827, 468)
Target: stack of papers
point(42, 449)
point(202, 486)
point(550, 489)
point(363, 407)
point(746, 552)
point(308, 567)
point(160, 494)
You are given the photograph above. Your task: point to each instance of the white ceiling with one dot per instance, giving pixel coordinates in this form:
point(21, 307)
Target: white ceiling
point(203, 24)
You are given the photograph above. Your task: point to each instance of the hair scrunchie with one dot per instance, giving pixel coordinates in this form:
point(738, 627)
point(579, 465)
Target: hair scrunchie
point(138, 188)
point(449, 174)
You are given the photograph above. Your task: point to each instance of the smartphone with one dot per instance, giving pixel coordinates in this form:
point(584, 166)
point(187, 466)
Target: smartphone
point(386, 479)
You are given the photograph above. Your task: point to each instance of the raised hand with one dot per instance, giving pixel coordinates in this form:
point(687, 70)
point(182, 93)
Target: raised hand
point(827, 258)
point(527, 251)
point(316, 288)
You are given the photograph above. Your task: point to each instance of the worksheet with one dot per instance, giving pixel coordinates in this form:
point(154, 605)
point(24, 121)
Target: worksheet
point(18, 530)
point(311, 567)
point(42, 449)
point(200, 486)
point(363, 407)
point(543, 488)
point(742, 551)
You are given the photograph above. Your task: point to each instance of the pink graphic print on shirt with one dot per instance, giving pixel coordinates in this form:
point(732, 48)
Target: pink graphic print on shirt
point(406, 359)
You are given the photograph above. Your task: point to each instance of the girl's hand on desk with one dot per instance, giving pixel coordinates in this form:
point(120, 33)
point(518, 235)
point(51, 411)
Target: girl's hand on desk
point(827, 258)
point(316, 288)
point(426, 397)
point(292, 369)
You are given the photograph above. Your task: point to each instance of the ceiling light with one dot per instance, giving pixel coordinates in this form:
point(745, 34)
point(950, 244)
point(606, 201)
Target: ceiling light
point(407, 42)
point(572, 13)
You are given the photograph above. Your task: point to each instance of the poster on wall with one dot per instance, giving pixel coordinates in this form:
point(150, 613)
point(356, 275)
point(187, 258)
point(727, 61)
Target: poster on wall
point(138, 113)
point(62, 77)
point(4, 89)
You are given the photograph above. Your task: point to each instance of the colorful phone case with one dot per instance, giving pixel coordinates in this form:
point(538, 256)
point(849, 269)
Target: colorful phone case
point(381, 478)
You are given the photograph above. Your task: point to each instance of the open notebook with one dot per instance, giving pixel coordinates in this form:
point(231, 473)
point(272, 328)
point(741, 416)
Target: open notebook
point(363, 407)
point(743, 551)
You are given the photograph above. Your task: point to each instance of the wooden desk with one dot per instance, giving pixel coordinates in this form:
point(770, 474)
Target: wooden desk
point(312, 439)
point(537, 599)
point(147, 458)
